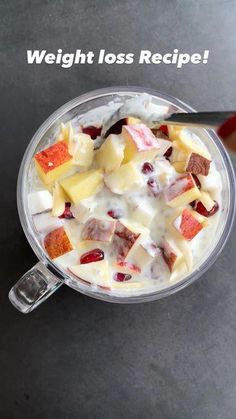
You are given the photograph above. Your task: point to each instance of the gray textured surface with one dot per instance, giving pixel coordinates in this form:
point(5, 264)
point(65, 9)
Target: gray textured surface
point(75, 357)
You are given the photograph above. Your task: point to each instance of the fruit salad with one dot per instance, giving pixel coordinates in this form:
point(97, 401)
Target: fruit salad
point(127, 211)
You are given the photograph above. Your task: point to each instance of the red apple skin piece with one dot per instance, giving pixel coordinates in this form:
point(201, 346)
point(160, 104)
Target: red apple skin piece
point(189, 227)
point(53, 156)
point(198, 165)
point(128, 265)
point(199, 207)
point(142, 137)
point(124, 239)
point(98, 230)
point(57, 243)
point(179, 186)
point(169, 255)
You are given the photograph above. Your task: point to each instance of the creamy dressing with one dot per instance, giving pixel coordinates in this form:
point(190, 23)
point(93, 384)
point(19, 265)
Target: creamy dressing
point(136, 203)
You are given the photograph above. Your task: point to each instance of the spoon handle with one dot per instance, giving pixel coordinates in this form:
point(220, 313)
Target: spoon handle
point(199, 119)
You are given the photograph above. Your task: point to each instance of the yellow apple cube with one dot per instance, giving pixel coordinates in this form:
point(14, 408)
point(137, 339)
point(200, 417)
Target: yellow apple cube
point(82, 185)
point(111, 153)
point(140, 142)
point(122, 179)
point(58, 199)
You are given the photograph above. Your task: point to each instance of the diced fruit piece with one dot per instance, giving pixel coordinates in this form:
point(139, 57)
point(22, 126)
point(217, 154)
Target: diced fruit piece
point(81, 211)
point(68, 259)
point(189, 146)
point(82, 185)
point(164, 129)
point(139, 142)
point(115, 213)
point(81, 147)
point(171, 254)
point(58, 200)
point(197, 181)
point(66, 132)
point(182, 191)
point(53, 162)
point(201, 209)
point(187, 225)
point(92, 256)
point(92, 131)
point(142, 212)
point(45, 222)
point(98, 230)
point(206, 200)
point(131, 120)
point(147, 167)
point(122, 179)
point(144, 253)
point(174, 131)
point(124, 239)
point(57, 243)
point(179, 166)
point(153, 186)
point(97, 273)
point(67, 214)
point(39, 201)
point(111, 153)
point(168, 152)
point(127, 267)
point(121, 277)
point(197, 164)
point(160, 134)
point(186, 250)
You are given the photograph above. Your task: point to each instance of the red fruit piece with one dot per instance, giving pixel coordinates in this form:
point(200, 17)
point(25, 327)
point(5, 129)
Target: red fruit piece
point(124, 239)
point(164, 129)
point(94, 132)
point(147, 167)
point(197, 181)
point(120, 277)
point(92, 256)
point(116, 128)
point(169, 255)
point(199, 207)
point(168, 153)
point(116, 214)
point(67, 214)
point(153, 186)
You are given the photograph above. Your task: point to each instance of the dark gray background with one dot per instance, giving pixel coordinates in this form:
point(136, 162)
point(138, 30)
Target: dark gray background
point(75, 357)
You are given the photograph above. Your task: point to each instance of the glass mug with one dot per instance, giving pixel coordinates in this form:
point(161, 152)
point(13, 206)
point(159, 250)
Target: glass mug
point(46, 277)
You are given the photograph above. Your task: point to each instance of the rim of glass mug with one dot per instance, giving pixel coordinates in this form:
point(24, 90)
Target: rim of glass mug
point(61, 273)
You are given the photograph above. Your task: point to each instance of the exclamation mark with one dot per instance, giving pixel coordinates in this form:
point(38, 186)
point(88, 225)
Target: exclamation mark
point(205, 56)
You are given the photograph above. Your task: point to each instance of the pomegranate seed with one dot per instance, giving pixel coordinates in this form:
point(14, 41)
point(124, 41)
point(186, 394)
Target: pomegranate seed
point(197, 181)
point(120, 277)
point(199, 207)
point(94, 132)
point(92, 256)
point(116, 214)
point(164, 129)
point(147, 167)
point(168, 153)
point(153, 186)
point(67, 214)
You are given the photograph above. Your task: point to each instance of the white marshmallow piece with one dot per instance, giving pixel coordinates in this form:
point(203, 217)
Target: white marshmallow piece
point(39, 201)
point(45, 222)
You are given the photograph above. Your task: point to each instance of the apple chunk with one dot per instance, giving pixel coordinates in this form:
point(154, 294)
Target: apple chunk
point(58, 200)
point(82, 185)
point(197, 164)
point(139, 142)
point(98, 230)
point(187, 225)
point(57, 243)
point(111, 153)
point(81, 147)
point(96, 273)
point(171, 254)
point(124, 239)
point(123, 179)
point(182, 191)
point(127, 267)
point(53, 162)
point(45, 222)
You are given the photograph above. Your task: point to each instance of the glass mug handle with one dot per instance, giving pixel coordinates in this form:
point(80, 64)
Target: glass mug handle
point(34, 287)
